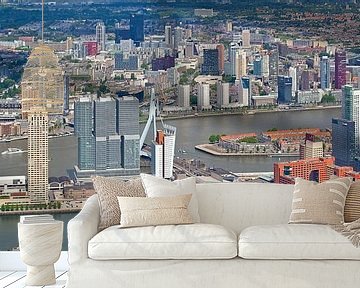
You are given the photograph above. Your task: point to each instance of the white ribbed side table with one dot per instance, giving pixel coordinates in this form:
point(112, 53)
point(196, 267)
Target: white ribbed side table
point(40, 247)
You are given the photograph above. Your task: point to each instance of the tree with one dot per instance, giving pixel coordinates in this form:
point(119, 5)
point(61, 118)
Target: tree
point(214, 138)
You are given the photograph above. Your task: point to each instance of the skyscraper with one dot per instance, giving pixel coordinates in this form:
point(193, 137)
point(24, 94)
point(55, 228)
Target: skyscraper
point(210, 65)
point(128, 127)
point(246, 38)
point(241, 64)
point(233, 50)
point(222, 94)
point(293, 75)
point(178, 36)
point(274, 64)
point(221, 55)
point(284, 89)
point(184, 96)
point(163, 149)
point(305, 80)
point(108, 136)
point(245, 91)
point(42, 84)
point(100, 36)
point(38, 156)
point(340, 68)
point(258, 65)
point(137, 28)
point(168, 35)
point(83, 127)
point(351, 110)
point(343, 142)
point(203, 99)
point(325, 73)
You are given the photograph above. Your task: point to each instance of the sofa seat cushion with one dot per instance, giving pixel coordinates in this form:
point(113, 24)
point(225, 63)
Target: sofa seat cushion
point(192, 241)
point(295, 241)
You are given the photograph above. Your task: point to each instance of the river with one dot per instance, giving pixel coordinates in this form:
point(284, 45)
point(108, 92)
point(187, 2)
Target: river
point(190, 132)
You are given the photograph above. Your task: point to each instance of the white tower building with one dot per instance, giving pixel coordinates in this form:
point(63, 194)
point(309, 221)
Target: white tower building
point(203, 100)
point(100, 36)
point(184, 96)
point(222, 94)
point(293, 75)
point(38, 156)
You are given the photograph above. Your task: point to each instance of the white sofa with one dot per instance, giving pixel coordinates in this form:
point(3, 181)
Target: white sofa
point(277, 254)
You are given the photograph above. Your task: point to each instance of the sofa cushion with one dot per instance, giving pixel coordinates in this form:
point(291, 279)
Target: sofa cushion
point(159, 187)
point(193, 241)
point(144, 211)
point(319, 203)
point(295, 241)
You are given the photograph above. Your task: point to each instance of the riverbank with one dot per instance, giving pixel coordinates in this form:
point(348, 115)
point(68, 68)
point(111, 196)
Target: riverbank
point(248, 112)
point(43, 211)
point(208, 148)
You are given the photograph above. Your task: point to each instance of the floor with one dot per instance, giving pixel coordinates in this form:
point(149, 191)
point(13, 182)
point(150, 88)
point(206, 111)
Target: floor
point(16, 279)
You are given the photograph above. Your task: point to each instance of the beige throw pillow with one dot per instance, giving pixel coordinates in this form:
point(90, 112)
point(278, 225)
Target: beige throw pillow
point(108, 188)
point(138, 211)
point(319, 203)
point(352, 203)
point(159, 187)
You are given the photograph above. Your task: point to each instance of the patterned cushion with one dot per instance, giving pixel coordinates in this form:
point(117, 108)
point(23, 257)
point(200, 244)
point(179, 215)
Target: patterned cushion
point(139, 211)
point(352, 203)
point(108, 189)
point(319, 203)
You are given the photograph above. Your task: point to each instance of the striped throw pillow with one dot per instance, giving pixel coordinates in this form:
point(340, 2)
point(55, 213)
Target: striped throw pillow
point(352, 203)
point(319, 203)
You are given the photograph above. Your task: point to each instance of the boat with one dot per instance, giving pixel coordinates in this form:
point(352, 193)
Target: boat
point(10, 151)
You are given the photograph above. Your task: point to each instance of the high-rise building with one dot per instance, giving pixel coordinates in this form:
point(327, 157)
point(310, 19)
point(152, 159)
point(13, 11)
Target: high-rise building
point(222, 94)
point(128, 128)
point(258, 65)
point(178, 36)
point(38, 155)
point(284, 89)
point(305, 80)
point(100, 36)
point(265, 65)
point(83, 128)
point(42, 84)
point(229, 26)
point(108, 136)
point(325, 73)
point(66, 94)
point(163, 150)
point(274, 64)
point(221, 55)
point(293, 75)
point(351, 109)
point(245, 91)
point(168, 35)
point(343, 142)
point(210, 65)
point(203, 99)
point(246, 38)
point(189, 49)
point(340, 69)
point(311, 148)
point(137, 28)
point(233, 52)
point(241, 64)
point(184, 96)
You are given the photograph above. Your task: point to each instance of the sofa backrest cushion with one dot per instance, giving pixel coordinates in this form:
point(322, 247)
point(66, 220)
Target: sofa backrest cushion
point(240, 205)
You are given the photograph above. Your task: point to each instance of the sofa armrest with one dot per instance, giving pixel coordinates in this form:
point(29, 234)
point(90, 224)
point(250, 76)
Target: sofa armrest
point(82, 228)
